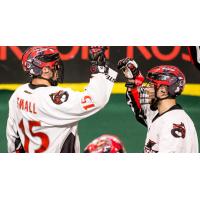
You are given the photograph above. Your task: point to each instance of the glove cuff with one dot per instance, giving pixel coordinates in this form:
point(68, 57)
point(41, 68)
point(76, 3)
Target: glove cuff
point(95, 69)
point(130, 85)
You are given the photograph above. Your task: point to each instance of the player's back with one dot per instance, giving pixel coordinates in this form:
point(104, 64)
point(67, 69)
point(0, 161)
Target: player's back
point(39, 120)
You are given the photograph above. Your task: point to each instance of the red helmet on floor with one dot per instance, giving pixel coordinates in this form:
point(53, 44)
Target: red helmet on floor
point(167, 75)
point(35, 58)
point(105, 144)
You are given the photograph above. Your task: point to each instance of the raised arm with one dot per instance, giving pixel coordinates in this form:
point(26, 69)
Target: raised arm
point(138, 97)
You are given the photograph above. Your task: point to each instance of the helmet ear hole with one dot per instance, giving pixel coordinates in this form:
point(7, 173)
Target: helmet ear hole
point(172, 91)
point(176, 89)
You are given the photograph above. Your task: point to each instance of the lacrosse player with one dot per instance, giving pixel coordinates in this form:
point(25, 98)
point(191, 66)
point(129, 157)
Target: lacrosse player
point(169, 128)
point(43, 117)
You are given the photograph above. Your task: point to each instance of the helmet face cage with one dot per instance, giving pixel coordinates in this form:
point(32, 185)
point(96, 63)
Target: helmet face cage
point(35, 58)
point(169, 76)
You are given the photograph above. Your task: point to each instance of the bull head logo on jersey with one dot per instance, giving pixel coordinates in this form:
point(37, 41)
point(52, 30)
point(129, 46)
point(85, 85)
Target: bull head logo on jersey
point(59, 97)
point(178, 130)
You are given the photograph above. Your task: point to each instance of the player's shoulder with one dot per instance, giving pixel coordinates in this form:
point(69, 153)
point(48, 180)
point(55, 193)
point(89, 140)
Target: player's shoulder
point(40, 90)
point(55, 89)
point(177, 113)
point(55, 94)
point(22, 87)
point(19, 90)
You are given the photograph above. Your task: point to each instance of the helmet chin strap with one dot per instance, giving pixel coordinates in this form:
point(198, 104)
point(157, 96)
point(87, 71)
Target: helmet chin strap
point(154, 104)
point(53, 82)
point(59, 78)
point(50, 80)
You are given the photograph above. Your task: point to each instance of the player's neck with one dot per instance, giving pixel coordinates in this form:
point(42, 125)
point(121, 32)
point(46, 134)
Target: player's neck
point(165, 105)
point(39, 81)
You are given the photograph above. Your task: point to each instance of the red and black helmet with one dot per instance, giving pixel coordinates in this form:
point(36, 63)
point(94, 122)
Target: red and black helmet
point(105, 144)
point(35, 58)
point(167, 75)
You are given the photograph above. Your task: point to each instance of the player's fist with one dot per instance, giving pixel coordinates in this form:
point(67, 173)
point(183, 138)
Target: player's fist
point(129, 68)
point(98, 60)
point(97, 55)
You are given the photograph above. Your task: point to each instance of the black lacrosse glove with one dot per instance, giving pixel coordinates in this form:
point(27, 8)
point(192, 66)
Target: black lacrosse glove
point(98, 59)
point(130, 69)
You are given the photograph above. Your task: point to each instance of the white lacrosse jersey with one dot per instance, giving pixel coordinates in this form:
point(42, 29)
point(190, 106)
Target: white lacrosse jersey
point(170, 132)
point(45, 119)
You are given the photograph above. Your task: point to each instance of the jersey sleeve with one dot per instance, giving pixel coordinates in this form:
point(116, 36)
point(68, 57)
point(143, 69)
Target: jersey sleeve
point(143, 113)
point(14, 144)
point(172, 137)
point(68, 106)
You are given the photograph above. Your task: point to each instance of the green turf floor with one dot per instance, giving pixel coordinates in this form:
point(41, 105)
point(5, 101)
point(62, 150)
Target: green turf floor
point(115, 118)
